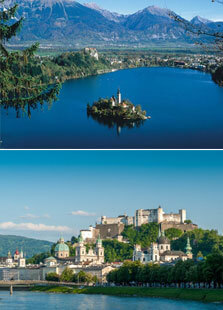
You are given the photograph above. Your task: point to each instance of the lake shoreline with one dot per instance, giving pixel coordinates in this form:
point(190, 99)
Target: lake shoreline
point(199, 295)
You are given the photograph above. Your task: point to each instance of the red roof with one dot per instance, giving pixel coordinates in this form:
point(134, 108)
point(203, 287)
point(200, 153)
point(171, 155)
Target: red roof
point(16, 252)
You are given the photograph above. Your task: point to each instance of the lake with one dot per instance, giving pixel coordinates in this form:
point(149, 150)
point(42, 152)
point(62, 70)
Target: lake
point(185, 105)
point(43, 301)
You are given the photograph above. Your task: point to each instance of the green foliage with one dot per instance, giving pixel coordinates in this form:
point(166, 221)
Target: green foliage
point(188, 222)
point(182, 273)
point(75, 65)
point(173, 233)
point(71, 248)
point(53, 276)
point(144, 235)
point(103, 108)
point(67, 276)
point(38, 258)
point(29, 246)
point(204, 241)
point(117, 251)
point(203, 295)
point(22, 82)
point(84, 277)
point(73, 240)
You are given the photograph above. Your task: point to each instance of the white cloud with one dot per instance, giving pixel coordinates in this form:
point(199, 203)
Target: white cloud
point(33, 216)
point(26, 208)
point(33, 227)
point(82, 213)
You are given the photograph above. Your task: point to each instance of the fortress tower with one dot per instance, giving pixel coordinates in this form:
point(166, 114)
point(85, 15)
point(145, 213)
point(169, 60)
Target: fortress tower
point(183, 215)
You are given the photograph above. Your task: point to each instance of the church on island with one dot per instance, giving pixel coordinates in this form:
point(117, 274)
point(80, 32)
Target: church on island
point(118, 101)
point(117, 108)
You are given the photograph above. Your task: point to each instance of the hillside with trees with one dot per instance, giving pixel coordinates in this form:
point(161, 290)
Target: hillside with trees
point(144, 235)
point(203, 242)
point(29, 246)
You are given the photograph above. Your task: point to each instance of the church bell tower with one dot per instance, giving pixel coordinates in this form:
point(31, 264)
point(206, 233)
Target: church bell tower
point(119, 97)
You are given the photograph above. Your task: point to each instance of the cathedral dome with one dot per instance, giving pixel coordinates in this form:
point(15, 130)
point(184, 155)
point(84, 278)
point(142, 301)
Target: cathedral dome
point(61, 247)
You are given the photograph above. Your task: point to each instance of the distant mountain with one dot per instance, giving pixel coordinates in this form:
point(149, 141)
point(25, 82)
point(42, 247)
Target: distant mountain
point(155, 23)
point(118, 18)
point(197, 20)
point(71, 23)
point(28, 245)
point(62, 20)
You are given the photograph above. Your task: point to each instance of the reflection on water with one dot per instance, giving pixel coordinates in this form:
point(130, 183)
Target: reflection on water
point(36, 301)
point(116, 123)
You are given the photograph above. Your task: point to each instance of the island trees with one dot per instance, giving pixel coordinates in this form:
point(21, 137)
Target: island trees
point(24, 83)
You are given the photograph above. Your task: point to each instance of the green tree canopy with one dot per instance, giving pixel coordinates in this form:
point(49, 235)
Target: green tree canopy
point(173, 233)
point(144, 235)
point(53, 276)
point(23, 84)
point(67, 275)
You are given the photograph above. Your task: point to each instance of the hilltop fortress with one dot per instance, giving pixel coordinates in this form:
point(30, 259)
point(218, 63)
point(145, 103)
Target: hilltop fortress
point(147, 216)
point(112, 227)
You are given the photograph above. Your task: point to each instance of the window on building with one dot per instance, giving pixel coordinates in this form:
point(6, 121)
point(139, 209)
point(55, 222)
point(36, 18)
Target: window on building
point(161, 247)
point(155, 257)
point(167, 247)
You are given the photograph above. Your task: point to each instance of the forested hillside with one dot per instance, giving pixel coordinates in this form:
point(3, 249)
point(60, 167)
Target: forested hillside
point(29, 246)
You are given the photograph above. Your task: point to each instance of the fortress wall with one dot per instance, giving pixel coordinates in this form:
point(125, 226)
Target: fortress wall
point(129, 220)
point(110, 220)
point(110, 231)
point(183, 227)
point(172, 218)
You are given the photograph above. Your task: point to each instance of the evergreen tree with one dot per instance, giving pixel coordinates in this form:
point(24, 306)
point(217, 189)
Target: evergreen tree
point(23, 81)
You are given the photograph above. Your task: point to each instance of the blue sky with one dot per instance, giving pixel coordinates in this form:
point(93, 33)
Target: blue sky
point(47, 194)
point(186, 8)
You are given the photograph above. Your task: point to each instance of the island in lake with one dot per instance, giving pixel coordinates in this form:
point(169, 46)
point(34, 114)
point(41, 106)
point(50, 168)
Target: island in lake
point(117, 109)
point(117, 112)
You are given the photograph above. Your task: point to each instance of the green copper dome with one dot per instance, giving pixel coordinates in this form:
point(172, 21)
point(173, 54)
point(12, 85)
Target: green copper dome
point(61, 247)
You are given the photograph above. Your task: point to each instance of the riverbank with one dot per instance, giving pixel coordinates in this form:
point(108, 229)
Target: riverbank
point(203, 295)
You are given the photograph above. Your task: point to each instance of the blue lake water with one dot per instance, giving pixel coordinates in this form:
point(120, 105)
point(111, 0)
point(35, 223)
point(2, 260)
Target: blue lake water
point(185, 105)
point(43, 301)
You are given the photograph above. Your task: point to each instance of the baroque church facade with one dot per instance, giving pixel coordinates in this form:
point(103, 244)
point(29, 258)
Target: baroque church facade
point(94, 256)
point(160, 252)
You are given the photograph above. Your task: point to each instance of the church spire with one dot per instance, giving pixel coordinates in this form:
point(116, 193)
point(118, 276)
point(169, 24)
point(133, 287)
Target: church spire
point(160, 232)
point(99, 241)
point(188, 247)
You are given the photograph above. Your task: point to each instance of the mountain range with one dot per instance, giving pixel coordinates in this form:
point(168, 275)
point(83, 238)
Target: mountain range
point(69, 21)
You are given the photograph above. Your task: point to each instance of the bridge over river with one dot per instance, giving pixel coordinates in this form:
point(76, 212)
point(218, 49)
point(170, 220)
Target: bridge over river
point(27, 285)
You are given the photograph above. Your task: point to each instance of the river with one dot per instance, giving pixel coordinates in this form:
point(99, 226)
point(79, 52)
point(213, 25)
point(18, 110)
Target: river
point(44, 301)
